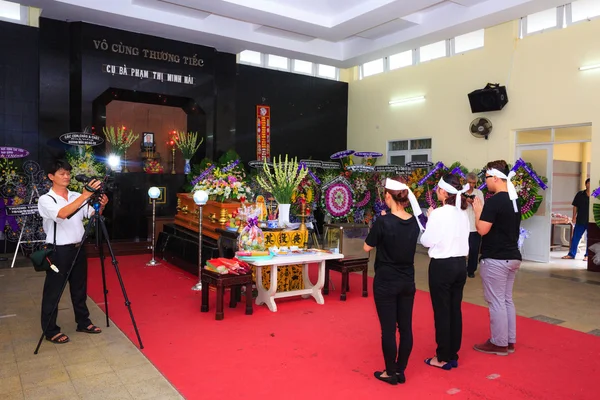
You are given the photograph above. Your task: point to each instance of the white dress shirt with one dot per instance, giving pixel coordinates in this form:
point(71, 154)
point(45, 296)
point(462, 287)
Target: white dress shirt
point(69, 231)
point(447, 233)
point(479, 194)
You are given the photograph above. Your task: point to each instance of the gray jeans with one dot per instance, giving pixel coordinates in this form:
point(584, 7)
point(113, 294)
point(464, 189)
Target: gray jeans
point(498, 277)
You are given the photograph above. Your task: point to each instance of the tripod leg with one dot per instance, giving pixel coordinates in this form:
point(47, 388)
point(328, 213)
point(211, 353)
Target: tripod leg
point(62, 290)
point(116, 265)
point(100, 247)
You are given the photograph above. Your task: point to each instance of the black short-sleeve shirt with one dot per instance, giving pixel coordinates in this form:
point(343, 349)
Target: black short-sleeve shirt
point(501, 242)
point(582, 202)
point(396, 243)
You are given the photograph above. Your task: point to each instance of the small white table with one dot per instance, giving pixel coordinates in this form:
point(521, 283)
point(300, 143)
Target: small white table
point(268, 296)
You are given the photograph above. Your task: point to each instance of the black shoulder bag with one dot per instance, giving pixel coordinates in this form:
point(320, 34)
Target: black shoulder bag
point(42, 259)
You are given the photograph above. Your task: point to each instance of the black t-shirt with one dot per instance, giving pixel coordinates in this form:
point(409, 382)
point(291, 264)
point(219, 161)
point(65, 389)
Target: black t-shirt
point(501, 242)
point(396, 242)
point(582, 202)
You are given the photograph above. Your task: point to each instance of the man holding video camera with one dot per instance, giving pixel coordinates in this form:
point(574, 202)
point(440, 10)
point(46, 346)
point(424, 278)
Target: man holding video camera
point(60, 209)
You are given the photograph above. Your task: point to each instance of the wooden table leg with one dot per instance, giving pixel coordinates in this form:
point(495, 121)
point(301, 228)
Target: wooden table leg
point(365, 281)
point(249, 298)
point(233, 296)
point(205, 289)
point(326, 287)
point(344, 285)
point(219, 315)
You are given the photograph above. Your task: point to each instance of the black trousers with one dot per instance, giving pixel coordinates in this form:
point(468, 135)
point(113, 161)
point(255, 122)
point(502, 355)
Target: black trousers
point(447, 279)
point(474, 245)
point(394, 302)
point(63, 257)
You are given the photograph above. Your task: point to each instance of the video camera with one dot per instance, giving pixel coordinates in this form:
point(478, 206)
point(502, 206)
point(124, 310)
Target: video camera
point(107, 184)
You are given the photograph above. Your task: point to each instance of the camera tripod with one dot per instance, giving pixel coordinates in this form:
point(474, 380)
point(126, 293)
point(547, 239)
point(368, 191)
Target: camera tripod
point(97, 221)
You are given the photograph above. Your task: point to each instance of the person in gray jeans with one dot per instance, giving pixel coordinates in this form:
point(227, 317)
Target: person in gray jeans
point(498, 222)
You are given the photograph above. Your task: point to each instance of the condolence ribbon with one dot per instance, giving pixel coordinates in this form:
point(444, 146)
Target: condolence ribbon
point(203, 175)
point(5, 218)
point(438, 166)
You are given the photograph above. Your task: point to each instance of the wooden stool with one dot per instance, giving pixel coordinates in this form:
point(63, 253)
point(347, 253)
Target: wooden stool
point(345, 267)
point(221, 282)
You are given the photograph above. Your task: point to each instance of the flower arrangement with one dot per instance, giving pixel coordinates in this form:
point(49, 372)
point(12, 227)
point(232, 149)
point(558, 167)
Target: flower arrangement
point(153, 167)
point(188, 143)
point(8, 171)
point(221, 186)
point(84, 162)
point(337, 200)
point(306, 194)
point(120, 140)
point(284, 179)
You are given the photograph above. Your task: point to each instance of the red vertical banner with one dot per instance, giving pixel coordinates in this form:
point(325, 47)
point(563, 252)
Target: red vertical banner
point(263, 133)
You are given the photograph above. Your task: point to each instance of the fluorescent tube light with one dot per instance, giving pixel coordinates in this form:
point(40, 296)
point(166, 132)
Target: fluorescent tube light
point(589, 67)
point(408, 100)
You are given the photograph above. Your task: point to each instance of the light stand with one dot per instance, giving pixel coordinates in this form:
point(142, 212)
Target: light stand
point(153, 193)
point(200, 198)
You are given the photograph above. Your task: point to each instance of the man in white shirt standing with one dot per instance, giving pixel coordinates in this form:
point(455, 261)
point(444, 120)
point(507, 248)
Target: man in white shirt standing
point(474, 236)
point(55, 207)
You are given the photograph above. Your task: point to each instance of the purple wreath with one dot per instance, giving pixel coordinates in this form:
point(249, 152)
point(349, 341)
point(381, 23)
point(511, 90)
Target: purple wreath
point(333, 207)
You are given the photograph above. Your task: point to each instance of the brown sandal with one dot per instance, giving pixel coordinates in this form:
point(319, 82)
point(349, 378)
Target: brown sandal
point(568, 257)
point(61, 338)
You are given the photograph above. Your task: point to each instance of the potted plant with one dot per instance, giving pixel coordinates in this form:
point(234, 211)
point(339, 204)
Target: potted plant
point(281, 183)
point(189, 144)
point(119, 141)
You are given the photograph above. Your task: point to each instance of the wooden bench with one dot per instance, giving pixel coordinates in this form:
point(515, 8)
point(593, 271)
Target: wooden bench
point(221, 282)
point(345, 266)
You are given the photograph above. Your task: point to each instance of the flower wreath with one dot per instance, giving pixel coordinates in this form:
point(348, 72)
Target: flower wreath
point(337, 198)
point(527, 189)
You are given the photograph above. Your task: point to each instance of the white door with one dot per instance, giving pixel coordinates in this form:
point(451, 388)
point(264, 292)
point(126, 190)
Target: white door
point(537, 246)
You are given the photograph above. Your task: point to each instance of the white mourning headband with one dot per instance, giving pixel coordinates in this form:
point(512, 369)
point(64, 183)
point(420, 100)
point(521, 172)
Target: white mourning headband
point(452, 190)
point(392, 184)
point(512, 192)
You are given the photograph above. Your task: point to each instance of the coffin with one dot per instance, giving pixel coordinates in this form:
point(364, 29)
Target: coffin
point(214, 214)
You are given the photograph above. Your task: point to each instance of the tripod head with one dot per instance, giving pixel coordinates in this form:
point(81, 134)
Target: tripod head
point(107, 184)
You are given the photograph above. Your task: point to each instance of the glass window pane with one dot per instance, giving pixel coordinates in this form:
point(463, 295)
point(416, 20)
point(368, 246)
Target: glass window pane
point(432, 51)
point(418, 144)
point(372, 68)
point(469, 41)
point(542, 20)
point(573, 133)
point(10, 10)
point(401, 60)
point(419, 157)
point(326, 71)
point(398, 145)
point(584, 9)
point(249, 56)
point(274, 61)
point(304, 67)
point(398, 160)
point(542, 136)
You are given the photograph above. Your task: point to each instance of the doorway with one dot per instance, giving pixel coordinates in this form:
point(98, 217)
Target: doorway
point(563, 155)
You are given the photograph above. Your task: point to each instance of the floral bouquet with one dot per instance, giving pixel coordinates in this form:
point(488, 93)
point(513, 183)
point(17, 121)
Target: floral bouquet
point(8, 171)
point(305, 194)
point(284, 179)
point(188, 143)
point(84, 162)
point(153, 167)
point(120, 140)
point(251, 238)
point(221, 186)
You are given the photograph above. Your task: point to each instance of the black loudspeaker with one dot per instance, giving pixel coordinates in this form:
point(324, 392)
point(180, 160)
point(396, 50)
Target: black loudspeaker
point(491, 98)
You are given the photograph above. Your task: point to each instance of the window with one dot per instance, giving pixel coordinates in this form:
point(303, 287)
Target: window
point(303, 67)
point(401, 60)
point(401, 152)
point(277, 62)
point(251, 57)
point(469, 41)
point(327, 71)
point(583, 10)
point(433, 51)
point(10, 10)
point(542, 21)
point(372, 68)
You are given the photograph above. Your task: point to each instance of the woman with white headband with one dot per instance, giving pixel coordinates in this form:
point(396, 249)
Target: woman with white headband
point(447, 236)
point(395, 235)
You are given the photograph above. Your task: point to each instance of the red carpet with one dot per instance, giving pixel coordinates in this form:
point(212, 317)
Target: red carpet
point(330, 352)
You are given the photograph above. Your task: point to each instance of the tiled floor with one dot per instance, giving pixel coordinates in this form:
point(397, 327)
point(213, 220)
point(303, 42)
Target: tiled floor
point(109, 366)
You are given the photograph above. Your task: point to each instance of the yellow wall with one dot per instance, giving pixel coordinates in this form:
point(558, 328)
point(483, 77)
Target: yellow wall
point(568, 152)
point(545, 88)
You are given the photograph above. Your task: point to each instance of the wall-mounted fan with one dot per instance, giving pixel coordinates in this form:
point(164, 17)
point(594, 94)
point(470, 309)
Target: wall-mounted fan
point(481, 127)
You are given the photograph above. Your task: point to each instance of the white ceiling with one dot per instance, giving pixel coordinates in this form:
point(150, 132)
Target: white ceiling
point(343, 33)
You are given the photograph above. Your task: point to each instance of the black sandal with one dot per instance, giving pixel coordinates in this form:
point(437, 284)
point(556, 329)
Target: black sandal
point(93, 329)
point(57, 339)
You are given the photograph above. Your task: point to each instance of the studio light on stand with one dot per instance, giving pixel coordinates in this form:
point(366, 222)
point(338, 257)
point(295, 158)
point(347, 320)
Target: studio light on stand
point(153, 193)
point(200, 198)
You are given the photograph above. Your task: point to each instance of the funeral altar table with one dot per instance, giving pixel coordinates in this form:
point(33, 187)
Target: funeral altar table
point(268, 296)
